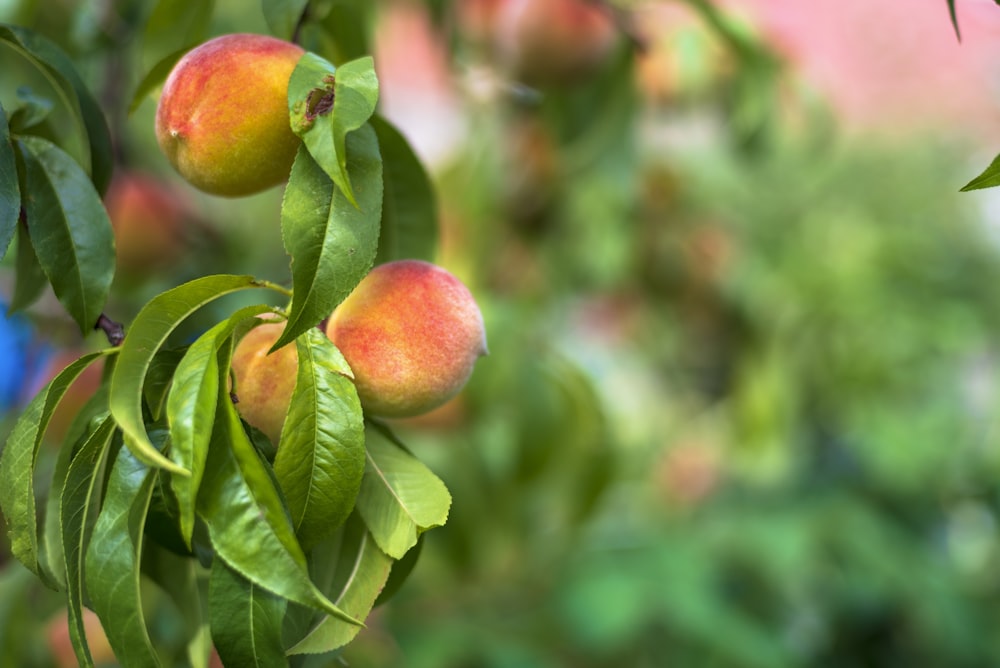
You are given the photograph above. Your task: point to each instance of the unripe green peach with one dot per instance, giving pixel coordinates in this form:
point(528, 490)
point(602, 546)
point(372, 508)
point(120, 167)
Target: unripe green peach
point(411, 332)
point(222, 119)
point(264, 383)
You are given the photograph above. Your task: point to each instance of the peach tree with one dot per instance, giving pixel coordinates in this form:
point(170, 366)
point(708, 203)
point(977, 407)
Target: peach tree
point(270, 547)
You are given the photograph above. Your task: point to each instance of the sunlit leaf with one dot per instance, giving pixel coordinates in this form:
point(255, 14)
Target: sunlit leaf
point(400, 497)
point(322, 455)
point(246, 620)
point(114, 557)
point(191, 408)
point(326, 105)
point(145, 336)
point(10, 190)
point(988, 179)
point(69, 229)
point(17, 466)
point(247, 522)
point(331, 242)
point(409, 205)
point(354, 570)
point(78, 506)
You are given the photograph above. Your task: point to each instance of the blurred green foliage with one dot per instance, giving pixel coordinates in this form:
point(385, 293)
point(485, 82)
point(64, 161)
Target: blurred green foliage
point(739, 407)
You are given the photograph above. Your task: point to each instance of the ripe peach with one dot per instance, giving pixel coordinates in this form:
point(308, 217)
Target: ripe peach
point(222, 119)
point(264, 383)
point(411, 333)
point(148, 218)
point(554, 42)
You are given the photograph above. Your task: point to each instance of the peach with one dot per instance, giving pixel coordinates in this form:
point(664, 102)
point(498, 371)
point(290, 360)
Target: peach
point(554, 42)
point(264, 382)
point(222, 119)
point(411, 332)
point(61, 647)
point(148, 218)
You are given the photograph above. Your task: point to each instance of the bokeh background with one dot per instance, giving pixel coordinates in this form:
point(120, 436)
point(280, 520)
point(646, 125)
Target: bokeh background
point(740, 407)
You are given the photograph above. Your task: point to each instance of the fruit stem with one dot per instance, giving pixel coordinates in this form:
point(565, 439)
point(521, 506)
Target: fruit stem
point(115, 331)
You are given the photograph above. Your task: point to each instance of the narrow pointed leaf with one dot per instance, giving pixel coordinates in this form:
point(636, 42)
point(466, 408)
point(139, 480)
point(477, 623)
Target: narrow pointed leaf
point(283, 16)
point(114, 557)
point(326, 104)
point(247, 522)
point(69, 229)
point(17, 466)
point(148, 332)
point(59, 69)
point(77, 512)
point(322, 455)
point(988, 179)
point(409, 206)
point(10, 191)
point(29, 279)
point(400, 497)
point(331, 242)
point(246, 620)
point(357, 571)
point(191, 409)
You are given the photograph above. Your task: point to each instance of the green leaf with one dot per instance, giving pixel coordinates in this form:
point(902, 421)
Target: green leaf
point(31, 111)
point(332, 243)
point(58, 68)
point(326, 105)
point(356, 570)
point(10, 190)
point(954, 18)
point(191, 408)
point(159, 378)
point(29, 278)
point(114, 557)
point(322, 455)
point(348, 24)
point(69, 229)
point(400, 497)
point(155, 77)
point(409, 206)
point(245, 619)
point(283, 16)
point(247, 522)
point(151, 327)
point(988, 179)
point(17, 466)
point(78, 506)
point(177, 25)
point(400, 572)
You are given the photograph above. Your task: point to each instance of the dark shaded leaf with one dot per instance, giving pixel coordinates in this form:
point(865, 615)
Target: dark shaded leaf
point(409, 205)
point(69, 229)
point(283, 16)
point(10, 190)
point(59, 69)
point(245, 620)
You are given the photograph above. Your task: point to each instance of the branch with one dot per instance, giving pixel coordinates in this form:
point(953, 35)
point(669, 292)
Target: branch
point(115, 331)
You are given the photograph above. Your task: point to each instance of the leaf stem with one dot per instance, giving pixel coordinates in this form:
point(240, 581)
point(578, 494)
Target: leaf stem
point(115, 331)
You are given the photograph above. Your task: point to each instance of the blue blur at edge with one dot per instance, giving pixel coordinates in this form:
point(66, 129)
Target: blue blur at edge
point(23, 360)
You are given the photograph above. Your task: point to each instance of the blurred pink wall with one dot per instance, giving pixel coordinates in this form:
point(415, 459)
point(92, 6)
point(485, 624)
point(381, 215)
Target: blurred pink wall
point(892, 64)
